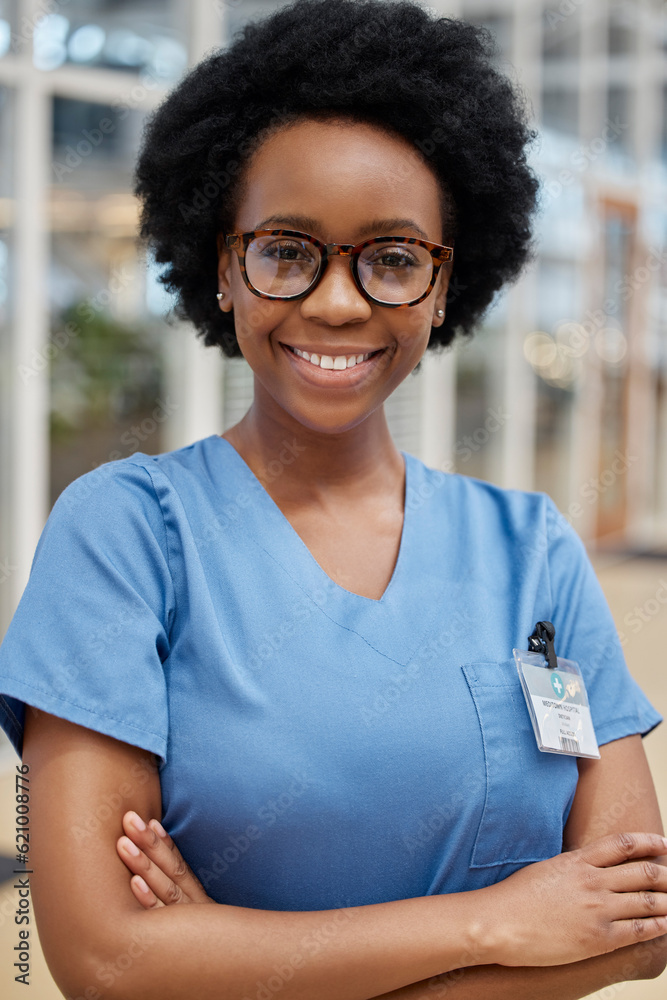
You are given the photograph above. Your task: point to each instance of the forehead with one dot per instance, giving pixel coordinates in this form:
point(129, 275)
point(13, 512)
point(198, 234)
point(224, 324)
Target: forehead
point(339, 172)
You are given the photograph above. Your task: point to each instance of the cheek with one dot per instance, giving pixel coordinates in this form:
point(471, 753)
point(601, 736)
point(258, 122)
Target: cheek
point(254, 317)
point(411, 328)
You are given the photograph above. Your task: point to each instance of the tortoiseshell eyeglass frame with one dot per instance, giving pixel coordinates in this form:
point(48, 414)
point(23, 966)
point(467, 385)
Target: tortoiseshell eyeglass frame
point(239, 242)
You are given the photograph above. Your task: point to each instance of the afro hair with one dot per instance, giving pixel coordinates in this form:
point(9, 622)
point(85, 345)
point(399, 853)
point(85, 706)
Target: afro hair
point(390, 63)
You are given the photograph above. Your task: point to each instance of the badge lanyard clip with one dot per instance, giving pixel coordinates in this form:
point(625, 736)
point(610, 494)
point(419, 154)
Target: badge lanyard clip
point(542, 641)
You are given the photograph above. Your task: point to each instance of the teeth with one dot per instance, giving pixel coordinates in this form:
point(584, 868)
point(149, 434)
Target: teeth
point(327, 361)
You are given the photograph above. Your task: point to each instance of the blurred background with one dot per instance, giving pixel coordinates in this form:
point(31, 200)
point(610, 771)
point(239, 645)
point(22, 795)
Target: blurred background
point(562, 389)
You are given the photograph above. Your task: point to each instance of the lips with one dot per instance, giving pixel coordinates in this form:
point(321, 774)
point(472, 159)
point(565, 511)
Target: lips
point(332, 360)
point(316, 375)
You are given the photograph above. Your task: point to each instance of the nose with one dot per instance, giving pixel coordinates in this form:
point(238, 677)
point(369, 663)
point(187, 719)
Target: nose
point(336, 300)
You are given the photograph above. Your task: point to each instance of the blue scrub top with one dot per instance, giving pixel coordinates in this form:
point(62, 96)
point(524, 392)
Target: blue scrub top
point(318, 748)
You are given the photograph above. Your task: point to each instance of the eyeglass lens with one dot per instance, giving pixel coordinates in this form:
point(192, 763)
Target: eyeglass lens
point(389, 272)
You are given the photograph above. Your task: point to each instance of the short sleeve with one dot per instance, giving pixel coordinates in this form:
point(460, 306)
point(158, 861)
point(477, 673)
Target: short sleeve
point(90, 635)
point(586, 633)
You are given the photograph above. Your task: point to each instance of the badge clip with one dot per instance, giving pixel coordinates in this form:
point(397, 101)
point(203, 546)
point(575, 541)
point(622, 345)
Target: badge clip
point(542, 641)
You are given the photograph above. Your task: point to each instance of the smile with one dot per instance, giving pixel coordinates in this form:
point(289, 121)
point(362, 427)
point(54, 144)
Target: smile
point(333, 362)
point(321, 368)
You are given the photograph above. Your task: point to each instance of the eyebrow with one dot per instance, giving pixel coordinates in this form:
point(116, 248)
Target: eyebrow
point(306, 224)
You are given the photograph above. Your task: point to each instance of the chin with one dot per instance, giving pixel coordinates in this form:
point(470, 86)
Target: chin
point(334, 427)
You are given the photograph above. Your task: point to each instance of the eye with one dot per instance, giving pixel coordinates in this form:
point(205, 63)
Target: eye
point(289, 250)
point(393, 256)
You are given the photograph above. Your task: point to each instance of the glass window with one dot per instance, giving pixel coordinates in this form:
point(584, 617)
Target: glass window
point(611, 344)
point(106, 399)
point(91, 139)
point(403, 409)
point(553, 443)
point(7, 25)
point(622, 28)
point(7, 372)
point(139, 35)
point(564, 222)
point(560, 109)
point(559, 293)
point(658, 326)
point(478, 396)
point(107, 363)
point(239, 12)
point(238, 390)
point(6, 144)
point(500, 26)
point(619, 113)
point(561, 28)
point(555, 351)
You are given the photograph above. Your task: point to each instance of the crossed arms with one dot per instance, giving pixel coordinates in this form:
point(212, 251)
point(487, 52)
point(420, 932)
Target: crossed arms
point(559, 929)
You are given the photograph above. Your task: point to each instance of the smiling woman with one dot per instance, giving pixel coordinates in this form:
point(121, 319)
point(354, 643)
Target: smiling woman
point(322, 175)
point(288, 645)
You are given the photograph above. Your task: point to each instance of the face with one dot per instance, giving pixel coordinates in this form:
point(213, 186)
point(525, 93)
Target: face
point(340, 182)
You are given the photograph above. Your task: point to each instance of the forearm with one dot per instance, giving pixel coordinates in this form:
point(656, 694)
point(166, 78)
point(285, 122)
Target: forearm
point(228, 953)
point(558, 982)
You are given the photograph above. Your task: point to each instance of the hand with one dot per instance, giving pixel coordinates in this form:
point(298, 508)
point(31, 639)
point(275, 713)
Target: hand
point(161, 876)
point(582, 903)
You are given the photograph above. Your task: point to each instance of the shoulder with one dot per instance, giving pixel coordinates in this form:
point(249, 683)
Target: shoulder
point(138, 482)
point(484, 507)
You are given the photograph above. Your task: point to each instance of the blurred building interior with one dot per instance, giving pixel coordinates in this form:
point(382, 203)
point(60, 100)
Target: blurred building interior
point(562, 389)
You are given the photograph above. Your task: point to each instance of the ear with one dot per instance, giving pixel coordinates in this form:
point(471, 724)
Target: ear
point(440, 298)
point(224, 274)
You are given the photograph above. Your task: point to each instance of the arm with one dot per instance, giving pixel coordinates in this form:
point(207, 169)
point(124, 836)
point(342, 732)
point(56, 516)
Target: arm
point(166, 880)
point(613, 794)
point(81, 784)
point(165, 870)
point(559, 982)
point(121, 950)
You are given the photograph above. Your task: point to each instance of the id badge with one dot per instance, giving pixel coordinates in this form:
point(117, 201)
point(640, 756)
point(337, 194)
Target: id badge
point(557, 702)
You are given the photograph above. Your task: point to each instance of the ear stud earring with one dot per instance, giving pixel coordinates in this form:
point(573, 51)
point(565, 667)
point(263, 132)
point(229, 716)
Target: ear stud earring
point(440, 313)
point(220, 296)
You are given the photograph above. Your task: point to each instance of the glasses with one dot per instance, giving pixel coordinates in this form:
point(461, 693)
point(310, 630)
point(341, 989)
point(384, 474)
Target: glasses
point(392, 271)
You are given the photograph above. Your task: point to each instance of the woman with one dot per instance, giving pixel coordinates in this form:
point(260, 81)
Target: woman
point(292, 641)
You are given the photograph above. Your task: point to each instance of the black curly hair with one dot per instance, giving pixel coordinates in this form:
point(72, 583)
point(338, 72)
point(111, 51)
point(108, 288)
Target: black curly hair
point(386, 62)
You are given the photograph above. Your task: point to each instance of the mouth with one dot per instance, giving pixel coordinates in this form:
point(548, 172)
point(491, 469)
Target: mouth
point(333, 362)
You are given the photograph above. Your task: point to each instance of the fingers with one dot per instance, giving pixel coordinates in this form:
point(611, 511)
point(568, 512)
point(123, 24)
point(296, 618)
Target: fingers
point(620, 847)
point(634, 876)
point(159, 862)
point(627, 932)
point(643, 904)
point(157, 882)
point(144, 894)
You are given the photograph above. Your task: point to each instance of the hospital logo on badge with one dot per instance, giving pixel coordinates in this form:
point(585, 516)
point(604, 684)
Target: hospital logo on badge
point(557, 684)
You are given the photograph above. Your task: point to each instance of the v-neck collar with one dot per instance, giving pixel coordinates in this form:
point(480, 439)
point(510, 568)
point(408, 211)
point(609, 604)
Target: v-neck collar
point(394, 623)
point(327, 581)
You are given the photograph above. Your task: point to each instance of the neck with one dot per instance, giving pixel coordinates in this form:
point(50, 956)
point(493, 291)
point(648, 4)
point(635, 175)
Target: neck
point(303, 465)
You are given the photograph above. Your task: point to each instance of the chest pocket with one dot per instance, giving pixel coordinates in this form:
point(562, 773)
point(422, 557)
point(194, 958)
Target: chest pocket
point(528, 793)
